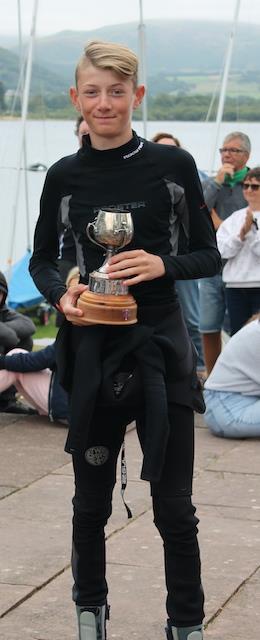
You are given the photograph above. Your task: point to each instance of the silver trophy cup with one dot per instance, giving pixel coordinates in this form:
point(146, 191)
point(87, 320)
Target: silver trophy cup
point(112, 229)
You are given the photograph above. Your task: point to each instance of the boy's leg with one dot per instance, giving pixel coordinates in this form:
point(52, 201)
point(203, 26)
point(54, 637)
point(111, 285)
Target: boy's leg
point(95, 476)
point(174, 516)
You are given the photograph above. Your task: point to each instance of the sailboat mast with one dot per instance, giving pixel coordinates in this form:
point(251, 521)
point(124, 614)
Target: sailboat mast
point(21, 148)
point(223, 89)
point(26, 190)
point(142, 56)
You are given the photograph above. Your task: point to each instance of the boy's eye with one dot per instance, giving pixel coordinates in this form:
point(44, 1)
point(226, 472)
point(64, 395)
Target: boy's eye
point(117, 92)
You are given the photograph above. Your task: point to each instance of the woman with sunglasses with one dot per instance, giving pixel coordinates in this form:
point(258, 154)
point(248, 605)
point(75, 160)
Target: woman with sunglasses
point(238, 240)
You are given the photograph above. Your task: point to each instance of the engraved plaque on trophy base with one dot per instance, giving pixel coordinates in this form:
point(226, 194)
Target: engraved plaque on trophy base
point(101, 308)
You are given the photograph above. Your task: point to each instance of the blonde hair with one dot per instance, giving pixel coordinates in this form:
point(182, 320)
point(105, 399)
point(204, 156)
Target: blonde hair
point(109, 55)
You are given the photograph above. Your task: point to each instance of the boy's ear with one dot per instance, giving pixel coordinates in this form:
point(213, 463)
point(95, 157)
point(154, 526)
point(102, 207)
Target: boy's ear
point(74, 98)
point(139, 94)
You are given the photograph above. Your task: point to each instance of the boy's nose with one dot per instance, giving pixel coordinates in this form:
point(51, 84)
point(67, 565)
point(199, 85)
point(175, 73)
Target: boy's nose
point(104, 101)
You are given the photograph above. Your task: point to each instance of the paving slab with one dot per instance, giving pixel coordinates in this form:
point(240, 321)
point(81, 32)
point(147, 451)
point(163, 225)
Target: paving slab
point(230, 551)
point(10, 594)
point(209, 449)
point(222, 488)
point(240, 619)
point(35, 532)
point(48, 615)
point(8, 418)
point(243, 457)
point(32, 448)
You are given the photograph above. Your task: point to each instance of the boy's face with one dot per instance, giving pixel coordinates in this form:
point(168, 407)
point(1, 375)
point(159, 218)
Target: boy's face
point(106, 101)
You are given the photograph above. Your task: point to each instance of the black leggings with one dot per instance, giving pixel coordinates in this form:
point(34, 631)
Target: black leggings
point(174, 514)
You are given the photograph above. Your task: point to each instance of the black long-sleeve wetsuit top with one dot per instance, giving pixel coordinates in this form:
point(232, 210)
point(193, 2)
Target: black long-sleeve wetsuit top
point(158, 184)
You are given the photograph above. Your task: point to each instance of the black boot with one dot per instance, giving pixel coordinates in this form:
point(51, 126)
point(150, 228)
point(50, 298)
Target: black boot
point(184, 633)
point(92, 622)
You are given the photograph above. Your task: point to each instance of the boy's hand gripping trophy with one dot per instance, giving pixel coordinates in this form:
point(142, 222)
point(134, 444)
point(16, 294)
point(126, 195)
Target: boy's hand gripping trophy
point(107, 301)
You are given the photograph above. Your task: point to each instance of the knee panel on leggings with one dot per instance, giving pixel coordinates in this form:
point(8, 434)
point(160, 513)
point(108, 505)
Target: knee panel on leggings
point(91, 508)
point(174, 516)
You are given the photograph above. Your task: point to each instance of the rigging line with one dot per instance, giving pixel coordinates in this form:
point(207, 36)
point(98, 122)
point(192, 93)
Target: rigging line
point(142, 73)
point(6, 142)
point(213, 98)
point(23, 124)
point(22, 68)
point(222, 96)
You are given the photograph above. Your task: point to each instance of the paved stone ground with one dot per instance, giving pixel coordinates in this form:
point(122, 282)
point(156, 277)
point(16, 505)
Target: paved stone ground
point(36, 485)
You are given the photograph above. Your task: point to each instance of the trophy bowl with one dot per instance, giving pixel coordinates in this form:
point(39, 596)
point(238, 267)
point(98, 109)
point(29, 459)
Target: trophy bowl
point(107, 301)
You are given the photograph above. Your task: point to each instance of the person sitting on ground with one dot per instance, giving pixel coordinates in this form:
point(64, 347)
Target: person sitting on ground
point(34, 376)
point(232, 390)
point(238, 239)
point(16, 330)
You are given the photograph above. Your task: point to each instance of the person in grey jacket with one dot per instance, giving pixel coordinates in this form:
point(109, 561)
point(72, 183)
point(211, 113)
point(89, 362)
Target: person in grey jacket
point(223, 195)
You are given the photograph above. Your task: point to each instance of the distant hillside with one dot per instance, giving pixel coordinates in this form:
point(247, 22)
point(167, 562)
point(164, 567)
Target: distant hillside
point(182, 56)
point(172, 46)
point(43, 79)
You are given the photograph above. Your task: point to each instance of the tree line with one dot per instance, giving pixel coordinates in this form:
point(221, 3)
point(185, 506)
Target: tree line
point(192, 107)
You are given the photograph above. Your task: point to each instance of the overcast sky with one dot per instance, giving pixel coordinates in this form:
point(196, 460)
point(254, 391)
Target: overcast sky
point(57, 15)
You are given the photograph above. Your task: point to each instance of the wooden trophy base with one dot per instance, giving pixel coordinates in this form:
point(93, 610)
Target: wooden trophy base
point(100, 308)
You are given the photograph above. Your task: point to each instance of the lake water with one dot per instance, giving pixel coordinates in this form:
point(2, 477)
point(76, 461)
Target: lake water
point(49, 140)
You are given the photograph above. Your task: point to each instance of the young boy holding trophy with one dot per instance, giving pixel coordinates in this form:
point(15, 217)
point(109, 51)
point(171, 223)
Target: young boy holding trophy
point(143, 203)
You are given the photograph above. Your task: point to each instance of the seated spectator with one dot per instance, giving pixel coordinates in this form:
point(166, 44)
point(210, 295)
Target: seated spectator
point(16, 329)
point(232, 390)
point(34, 376)
point(238, 239)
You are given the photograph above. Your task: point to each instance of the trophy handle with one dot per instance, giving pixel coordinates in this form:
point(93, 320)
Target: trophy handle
point(90, 225)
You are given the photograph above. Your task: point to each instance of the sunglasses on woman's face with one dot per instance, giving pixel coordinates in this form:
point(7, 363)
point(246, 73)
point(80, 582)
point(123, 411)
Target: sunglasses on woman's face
point(251, 185)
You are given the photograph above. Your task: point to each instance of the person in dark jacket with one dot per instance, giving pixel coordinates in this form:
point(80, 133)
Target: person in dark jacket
point(35, 376)
point(16, 330)
point(159, 185)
